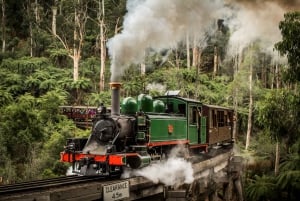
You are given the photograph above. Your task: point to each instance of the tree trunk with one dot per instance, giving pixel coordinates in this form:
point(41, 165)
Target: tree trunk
point(249, 126)
point(76, 59)
point(215, 60)
point(28, 10)
point(235, 118)
point(176, 58)
point(143, 66)
point(3, 24)
point(54, 13)
point(36, 12)
point(277, 157)
point(195, 53)
point(103, 57)
point(117, 28)
point(277, 76)
point(263, 71)
point(102, 45)
point(80, 17)
point(235, 99)
point(31, 39)
point(195, 56)
point(277, 154)
point(188, 61)
point(199, 60)
point(75, 50)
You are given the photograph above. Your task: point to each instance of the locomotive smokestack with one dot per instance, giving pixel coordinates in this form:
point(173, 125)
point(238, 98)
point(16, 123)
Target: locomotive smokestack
point(115, 98)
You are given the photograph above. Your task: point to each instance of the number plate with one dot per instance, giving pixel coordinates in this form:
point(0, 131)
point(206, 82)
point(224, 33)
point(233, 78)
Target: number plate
point(116, 191)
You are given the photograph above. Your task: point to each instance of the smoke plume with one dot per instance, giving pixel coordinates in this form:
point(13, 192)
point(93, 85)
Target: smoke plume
point(255, 21)
point(162, 24)
point(158, 25)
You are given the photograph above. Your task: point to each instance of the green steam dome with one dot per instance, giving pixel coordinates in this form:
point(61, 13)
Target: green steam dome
point(158, 106)
point(145, 103)
point(128, 106)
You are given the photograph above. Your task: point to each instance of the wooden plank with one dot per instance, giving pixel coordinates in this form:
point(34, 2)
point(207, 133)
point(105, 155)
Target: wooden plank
point(77, 192)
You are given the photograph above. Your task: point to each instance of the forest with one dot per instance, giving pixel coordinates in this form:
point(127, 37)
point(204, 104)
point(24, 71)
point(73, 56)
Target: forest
point(233, 53)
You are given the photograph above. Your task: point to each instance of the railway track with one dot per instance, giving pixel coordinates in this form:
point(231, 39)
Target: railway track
point(45, 184)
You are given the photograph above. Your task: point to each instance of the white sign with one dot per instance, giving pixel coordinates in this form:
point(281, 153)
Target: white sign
point(116, 191)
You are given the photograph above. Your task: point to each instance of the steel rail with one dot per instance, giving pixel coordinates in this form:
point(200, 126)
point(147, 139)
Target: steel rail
point(46, 183)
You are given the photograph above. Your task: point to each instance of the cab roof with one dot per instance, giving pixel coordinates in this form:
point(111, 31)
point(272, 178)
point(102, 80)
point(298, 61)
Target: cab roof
point(189, 100)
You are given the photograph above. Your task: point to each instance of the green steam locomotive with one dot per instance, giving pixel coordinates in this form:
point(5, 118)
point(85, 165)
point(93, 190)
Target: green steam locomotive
point(144, 130)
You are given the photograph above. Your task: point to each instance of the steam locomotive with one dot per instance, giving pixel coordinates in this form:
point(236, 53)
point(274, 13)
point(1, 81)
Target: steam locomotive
point(144, 130)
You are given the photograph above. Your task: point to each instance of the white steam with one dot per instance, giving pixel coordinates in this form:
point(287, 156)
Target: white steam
point(70, 172)
point(175, 171)
point(161, 24)
point(158, 25)
point(255, 24)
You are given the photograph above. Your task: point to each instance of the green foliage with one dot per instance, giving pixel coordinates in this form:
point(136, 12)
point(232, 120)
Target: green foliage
point(8, 172)
point(21, 128)
point(262, 189)
point(79, 89)
point(54, 144)
point(5, 97)
point(96, 98)
point(24, 65)
point(56, 134)
point(278, 113)
point(60, 168)
point(201, 87)
point(59, 57)
point(48, 173)
point(49, 105)
point(267, 151)
point(91, 68)
point(288, 179)
point(290, 44)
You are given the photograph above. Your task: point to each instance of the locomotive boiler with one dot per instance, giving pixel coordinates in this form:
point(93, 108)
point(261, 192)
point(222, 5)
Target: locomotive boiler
point(145, 129)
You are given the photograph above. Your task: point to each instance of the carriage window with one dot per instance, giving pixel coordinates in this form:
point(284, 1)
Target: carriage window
point(213, 122)
point(221, 118)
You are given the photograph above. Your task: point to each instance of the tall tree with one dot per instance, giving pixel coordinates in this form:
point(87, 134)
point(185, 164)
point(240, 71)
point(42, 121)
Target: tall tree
point(3, 26)
point(188, 58)
point(75, 44)
point(101, 22)
point(54, 15)
point(278, 113)
point(290, 44)
point(249, 126)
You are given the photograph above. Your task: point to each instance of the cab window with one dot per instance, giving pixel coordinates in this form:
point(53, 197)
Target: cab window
point(194, 114)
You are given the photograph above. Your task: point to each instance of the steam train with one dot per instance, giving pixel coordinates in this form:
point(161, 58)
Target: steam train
point(144, 130)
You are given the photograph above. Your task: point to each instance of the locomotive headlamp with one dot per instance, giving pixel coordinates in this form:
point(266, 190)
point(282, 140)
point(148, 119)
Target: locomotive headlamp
point(101, 109)
point(70, 147)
